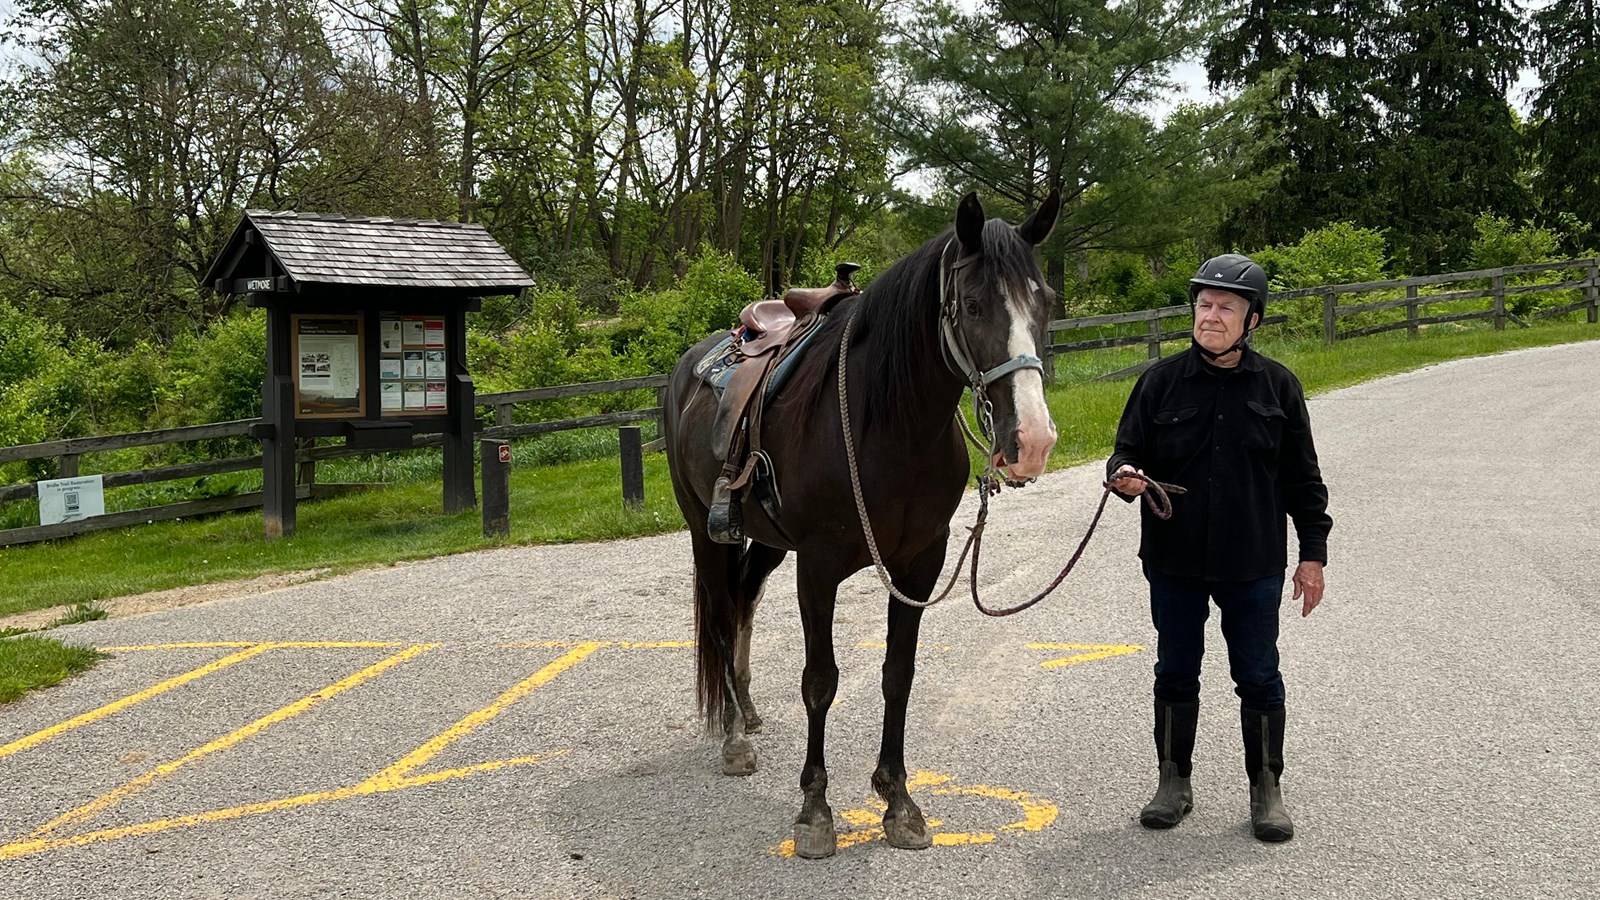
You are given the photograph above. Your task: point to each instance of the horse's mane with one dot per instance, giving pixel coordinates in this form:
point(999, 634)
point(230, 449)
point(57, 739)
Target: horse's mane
point(898, 324)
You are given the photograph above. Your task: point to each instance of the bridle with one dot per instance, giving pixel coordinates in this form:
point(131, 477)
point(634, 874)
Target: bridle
point(958, 356)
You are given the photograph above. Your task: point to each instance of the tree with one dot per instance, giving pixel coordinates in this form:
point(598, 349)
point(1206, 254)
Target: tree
point(144, 130)
point(1567, 112)
point(1021, 97)
point(1456, 150)
point(1323, 57)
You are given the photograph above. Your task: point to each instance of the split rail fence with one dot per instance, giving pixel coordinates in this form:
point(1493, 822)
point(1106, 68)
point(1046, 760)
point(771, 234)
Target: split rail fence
point(1415, 304)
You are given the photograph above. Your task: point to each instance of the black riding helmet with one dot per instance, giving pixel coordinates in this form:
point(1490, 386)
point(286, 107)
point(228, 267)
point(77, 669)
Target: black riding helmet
point(1238, 274)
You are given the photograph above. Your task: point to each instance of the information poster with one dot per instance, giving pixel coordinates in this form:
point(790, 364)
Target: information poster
point(414, 366)
point(327, 354)
point(71, 499)
point(416, 399)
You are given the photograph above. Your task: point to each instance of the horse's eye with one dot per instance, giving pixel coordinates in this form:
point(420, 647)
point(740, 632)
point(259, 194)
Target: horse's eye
point(972, 307)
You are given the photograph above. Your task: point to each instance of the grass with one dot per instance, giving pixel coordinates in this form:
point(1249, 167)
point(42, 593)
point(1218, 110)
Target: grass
point(31, 662)
point(581, 500)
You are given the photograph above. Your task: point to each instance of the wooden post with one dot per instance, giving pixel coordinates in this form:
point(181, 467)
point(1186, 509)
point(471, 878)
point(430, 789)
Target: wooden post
point(1154, 342)
point(459, 491)
point(661, 418)
point(496, 456)
point(277, 432)
point(631, 443)
point(308, 469)
point(1593, 291)
point(1411, 310)
point(502, 414)
point(69, 466)
point(277, 457)
point(1330, 318)
point(1499, 288)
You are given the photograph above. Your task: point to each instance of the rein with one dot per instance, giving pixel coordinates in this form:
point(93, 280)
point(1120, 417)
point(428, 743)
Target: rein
point(953, 347)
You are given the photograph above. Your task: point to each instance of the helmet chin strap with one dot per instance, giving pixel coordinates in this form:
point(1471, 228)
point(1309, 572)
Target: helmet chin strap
point(1237, 345)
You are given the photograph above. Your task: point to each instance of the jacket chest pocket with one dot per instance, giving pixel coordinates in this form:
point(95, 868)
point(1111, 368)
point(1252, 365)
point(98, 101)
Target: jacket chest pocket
point(1263, 430)
point(1178, 433)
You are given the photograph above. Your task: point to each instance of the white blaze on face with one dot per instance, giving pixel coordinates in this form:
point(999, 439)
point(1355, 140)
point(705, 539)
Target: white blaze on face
point(1036, 431)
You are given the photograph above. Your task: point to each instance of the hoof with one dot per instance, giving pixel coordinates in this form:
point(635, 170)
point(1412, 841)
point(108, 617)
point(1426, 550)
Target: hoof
point(907, 831)
point(815, 840)
point(738, 757)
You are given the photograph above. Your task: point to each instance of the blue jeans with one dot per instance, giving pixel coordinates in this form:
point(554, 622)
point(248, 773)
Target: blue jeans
point(1179, 607)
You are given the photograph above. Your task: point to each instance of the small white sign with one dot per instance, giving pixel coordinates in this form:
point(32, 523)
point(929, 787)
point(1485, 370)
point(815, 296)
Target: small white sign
point(71, 499)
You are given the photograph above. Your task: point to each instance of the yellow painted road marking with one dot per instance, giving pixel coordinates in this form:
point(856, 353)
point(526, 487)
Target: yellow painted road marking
point(1037, 814)
point(625, 645)
point(188, 645)
point(424, 754)
point(35, 845)
point(286, 645)
point(39, 737)
point(95, 807)
point(1093, 652)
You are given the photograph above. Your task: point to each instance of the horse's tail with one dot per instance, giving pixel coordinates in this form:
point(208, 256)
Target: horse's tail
point(716, 619)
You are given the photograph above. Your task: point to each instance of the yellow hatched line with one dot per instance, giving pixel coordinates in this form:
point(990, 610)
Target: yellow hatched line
point(1093, 652)
point(287, 645)
point(39, 845)
point(128, 789)
point(425, 754)
point(39, 737)
point(187, 645)
point(622, 645)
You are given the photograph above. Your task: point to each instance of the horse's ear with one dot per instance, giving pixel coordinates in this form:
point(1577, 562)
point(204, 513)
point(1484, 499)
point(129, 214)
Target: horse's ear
point(1035, 228)
point(969, 223)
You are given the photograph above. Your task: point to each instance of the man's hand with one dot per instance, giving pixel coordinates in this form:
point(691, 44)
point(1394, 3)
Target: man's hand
point(1132, 487)
point(1308, 582)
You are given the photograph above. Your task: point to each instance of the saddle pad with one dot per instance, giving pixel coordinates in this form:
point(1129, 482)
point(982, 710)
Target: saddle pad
point(719, 363)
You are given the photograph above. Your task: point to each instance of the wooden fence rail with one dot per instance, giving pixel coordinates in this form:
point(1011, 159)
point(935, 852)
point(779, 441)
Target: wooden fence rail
point(1414, 303)
point(502, 404)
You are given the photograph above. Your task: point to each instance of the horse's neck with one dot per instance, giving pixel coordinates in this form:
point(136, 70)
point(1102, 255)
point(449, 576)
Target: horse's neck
point(933, 392)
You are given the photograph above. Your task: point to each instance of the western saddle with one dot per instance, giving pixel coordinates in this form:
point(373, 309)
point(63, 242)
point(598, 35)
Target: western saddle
point(770, 332)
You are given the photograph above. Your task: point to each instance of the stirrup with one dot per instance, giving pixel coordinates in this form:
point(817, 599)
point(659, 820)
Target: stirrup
point(764, 484)
point(724, 524)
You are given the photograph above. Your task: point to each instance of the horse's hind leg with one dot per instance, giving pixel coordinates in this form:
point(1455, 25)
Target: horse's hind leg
point(903, 824)
point(814, 835)
point(757, 563)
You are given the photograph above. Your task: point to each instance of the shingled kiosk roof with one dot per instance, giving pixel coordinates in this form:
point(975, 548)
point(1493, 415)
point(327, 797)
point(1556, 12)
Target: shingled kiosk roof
point(298, 250)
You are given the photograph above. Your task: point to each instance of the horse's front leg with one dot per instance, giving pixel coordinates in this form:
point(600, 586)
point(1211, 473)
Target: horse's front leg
point(903, 824)
point(818, 585)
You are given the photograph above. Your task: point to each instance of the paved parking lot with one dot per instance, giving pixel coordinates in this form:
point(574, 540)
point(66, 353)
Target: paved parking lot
point(520, 723)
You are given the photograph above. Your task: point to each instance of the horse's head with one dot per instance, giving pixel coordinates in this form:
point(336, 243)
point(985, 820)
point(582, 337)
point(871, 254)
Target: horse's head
point(994, 306)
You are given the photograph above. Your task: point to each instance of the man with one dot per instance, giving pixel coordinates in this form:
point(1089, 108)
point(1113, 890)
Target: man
point(1231, 426)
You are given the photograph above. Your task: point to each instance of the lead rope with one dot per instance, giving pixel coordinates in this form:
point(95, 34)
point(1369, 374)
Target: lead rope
point(1160, 504)
point(861, 503)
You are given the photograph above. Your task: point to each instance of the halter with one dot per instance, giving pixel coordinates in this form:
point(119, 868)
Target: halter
point(958, 355)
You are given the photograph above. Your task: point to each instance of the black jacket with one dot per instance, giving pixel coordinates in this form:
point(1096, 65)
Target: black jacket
point(1240, 441)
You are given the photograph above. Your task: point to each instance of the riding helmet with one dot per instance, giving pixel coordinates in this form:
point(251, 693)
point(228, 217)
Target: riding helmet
point(1236, 273)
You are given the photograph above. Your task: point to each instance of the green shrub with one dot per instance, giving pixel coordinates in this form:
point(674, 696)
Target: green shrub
point(1341, 253)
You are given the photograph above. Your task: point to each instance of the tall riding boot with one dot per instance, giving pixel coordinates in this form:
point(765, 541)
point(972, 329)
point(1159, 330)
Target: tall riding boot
point(1263, 762)
point(1174, 732)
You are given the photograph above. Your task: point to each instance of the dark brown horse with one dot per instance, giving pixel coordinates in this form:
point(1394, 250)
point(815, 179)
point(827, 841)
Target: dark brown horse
point(903, 394)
